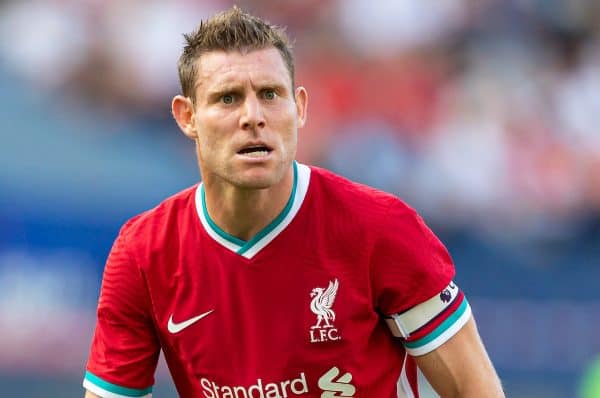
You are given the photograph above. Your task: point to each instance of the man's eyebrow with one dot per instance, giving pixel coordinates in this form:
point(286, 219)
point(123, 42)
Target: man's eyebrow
point(209, 84)
point(223, 88)
point(277, 86)
point(272, 84)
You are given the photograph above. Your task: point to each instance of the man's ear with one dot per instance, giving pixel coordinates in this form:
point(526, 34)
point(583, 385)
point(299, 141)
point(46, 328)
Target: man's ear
point(183, 112)
point(301, 105)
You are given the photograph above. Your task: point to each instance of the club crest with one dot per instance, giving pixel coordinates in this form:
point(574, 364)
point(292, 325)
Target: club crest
point(321, 305)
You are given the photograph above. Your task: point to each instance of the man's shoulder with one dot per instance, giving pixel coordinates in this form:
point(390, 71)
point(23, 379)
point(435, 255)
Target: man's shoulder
point(161, 217)
point(354, 196)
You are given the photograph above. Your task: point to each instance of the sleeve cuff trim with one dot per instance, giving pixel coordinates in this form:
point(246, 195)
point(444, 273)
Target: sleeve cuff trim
point(109, 390)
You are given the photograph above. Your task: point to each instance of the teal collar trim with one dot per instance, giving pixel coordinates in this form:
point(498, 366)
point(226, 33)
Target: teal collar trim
point(249, 248)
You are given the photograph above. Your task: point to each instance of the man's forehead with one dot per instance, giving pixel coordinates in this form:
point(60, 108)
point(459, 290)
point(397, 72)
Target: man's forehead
point(222, 67)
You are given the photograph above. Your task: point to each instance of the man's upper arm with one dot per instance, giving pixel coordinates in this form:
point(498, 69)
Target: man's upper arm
point(89, 394)
point(461, 367)
point(125, 348)
point(412, 276)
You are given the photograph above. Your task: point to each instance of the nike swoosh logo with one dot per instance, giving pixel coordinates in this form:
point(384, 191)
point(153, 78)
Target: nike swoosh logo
point(178, 327)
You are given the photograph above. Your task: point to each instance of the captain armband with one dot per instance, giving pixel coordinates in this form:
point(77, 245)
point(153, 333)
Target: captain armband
point(428, 325)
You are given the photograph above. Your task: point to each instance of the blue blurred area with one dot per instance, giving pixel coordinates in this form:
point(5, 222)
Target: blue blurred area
point(484, 116)
point(71, 179)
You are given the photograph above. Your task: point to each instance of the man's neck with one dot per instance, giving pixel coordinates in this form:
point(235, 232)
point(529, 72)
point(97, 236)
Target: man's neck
point(243, 213)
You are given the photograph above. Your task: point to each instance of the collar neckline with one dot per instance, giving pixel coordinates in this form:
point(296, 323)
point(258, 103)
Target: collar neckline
point(250, 248)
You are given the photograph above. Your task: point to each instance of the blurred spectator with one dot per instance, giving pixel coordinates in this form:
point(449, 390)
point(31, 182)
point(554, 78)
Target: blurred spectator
point(482, 113)
point(45, 40)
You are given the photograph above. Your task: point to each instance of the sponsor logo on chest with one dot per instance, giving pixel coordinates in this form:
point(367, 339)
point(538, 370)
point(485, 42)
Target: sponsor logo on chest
point(331, 385)
point(322, 306)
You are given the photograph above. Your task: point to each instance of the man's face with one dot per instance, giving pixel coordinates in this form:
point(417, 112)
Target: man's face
point(245, 118)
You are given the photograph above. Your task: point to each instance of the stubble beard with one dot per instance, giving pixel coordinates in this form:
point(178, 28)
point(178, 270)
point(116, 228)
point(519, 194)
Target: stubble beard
point(224, 173)
point(265, 179)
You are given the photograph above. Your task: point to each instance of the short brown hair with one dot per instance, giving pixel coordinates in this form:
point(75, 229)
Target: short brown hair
point(230, 30)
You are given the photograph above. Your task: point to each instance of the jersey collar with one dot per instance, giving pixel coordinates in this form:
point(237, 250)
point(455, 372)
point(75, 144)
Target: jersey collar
point(249, 249)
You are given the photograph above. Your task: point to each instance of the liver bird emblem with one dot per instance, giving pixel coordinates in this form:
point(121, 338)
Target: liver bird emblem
point(322, 302)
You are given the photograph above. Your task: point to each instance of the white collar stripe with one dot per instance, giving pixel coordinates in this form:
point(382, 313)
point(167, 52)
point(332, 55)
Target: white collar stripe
point(273, 224)
point(206, 224)
point(215, 227)
point(301, 189)
point(264, 237)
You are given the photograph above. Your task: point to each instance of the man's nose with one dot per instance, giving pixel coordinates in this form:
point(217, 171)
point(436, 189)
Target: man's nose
point(252, 114)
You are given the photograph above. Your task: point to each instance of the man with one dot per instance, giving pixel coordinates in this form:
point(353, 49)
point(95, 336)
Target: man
point(272, 278)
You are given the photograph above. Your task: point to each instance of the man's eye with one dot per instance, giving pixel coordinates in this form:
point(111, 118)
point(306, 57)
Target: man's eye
point(269, 94)
point(227, 99)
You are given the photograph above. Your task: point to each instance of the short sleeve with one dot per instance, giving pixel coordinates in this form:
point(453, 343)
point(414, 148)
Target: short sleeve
point(412, 274)
point(125, 348)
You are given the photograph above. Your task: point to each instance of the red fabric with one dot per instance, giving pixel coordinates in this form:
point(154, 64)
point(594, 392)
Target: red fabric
point(165, 264)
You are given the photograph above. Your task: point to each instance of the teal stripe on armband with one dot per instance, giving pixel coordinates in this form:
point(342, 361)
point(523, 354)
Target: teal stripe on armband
point(115, 389)
point(447, 324)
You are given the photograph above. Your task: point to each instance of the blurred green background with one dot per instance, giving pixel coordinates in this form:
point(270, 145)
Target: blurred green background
point(484, 115)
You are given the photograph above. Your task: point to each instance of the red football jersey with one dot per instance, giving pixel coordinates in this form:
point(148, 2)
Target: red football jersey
point(303, 309)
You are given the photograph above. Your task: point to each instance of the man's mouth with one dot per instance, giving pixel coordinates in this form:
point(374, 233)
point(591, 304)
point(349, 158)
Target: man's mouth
point(255, 151)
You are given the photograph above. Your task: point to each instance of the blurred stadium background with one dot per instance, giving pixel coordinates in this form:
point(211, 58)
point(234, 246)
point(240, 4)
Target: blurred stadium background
point(482, 114)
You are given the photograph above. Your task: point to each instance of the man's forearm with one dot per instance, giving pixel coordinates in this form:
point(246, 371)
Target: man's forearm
point(461, 368)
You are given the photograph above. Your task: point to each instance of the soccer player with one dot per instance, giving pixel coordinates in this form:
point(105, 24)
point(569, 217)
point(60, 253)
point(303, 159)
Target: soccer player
point(272, 278)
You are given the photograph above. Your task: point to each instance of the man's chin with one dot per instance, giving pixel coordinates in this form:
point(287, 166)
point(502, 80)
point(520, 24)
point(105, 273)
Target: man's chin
point(256, 182)
point(258, 179)
point(256, 176)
